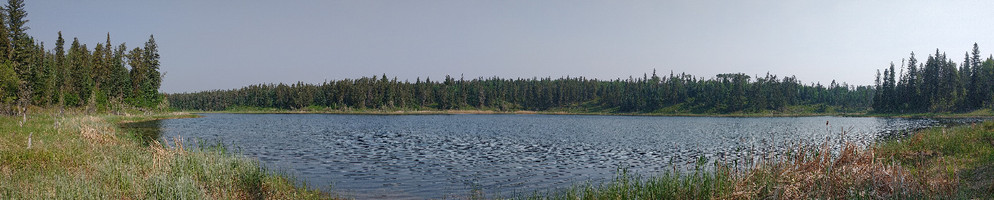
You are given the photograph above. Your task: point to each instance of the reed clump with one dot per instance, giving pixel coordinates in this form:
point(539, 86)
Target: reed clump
point(853, 172)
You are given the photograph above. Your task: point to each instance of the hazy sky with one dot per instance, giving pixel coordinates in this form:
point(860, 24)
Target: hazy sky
point(229, 44)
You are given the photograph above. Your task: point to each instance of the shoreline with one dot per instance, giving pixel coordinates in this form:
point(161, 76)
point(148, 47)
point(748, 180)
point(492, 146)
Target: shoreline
point(92, 136)
point(90, 156)
point(984, 114)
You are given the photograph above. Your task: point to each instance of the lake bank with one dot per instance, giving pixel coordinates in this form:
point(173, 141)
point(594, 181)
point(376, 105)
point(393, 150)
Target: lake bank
point(77, 156)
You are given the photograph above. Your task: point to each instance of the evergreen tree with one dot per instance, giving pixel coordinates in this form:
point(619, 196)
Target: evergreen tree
point(137, 73)
point(31, 75)
point(977, 80)
point(16, 23)
point(61, 71)
point(120, 80)
point(20, 47)
point(153, 78)
point(5, 46)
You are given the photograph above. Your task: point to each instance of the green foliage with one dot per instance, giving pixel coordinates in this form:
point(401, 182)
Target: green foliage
point(77, 77)
point(89, 157)
point(937, 85)
point(8, 83)
point(726, 93)
point(964, 152)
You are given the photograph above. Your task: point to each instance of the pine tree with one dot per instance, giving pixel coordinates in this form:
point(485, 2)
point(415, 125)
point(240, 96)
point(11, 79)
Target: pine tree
point(964, 83)
point(977, 80)
point(137, 73)
point(914, 85)
point(5, 45)
point(61, 71)
point(20, 47)
point(19, 40)
point(150, 90)
point(889, 95)
point(878, 104)
point(120, 80)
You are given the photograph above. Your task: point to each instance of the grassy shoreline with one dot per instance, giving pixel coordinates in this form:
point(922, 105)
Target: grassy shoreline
point(936, 163)
point(76, 156)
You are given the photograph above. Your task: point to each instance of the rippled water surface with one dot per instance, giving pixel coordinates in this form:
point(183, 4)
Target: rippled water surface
point(436, 156)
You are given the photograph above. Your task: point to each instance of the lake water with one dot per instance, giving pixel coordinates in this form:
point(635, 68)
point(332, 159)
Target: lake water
point(437, 156)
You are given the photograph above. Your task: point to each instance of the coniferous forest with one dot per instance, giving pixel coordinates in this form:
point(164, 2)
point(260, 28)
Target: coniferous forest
point(110, 77)
point(102, 78)
point(674, 93)
point(936, 85)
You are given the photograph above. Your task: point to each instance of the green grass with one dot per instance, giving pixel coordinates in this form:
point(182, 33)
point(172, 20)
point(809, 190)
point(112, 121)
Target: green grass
point(88, 157)
point(963, 155)
point(701, 184)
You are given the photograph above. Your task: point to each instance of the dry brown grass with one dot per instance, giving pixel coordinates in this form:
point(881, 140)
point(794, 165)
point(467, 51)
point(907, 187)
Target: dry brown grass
point(90, 129)
point(853, 172)
point(817, 172)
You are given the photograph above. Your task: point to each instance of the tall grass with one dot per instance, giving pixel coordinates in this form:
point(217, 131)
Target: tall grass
point(937, 163)
point(89, 157)
point(963, 155)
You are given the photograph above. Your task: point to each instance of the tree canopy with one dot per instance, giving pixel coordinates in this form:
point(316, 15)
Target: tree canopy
point(937, 85)
point(674, 93)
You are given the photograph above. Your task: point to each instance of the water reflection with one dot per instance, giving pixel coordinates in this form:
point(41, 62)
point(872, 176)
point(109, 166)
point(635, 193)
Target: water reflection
point(146, 131)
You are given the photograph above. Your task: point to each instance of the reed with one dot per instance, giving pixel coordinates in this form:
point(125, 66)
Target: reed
point(937, 163)
point(89, 157)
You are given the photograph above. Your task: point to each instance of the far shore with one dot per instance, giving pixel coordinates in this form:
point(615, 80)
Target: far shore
point(975, 114)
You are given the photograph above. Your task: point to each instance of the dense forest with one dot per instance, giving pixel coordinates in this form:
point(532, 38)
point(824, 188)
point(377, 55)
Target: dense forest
point(936, 85)
point(675, 93)
point(106, 78)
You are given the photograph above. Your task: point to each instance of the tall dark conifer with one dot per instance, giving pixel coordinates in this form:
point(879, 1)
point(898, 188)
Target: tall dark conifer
point(153, 78)
point(20, 49)
point(5, 46)
point(977, 80)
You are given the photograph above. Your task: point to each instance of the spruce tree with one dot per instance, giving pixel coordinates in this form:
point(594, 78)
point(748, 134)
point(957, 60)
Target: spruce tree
point(5, 49)
point(61, 71)
point(153, 76)
point(965, 77)
point(977, 80)
point(20, 47)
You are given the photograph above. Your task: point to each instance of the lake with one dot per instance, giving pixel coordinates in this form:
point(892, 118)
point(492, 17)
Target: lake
point(437, 156)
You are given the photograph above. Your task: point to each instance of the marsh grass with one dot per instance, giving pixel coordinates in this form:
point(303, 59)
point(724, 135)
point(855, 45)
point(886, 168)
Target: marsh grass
point(89, 157)
point(937, 163)
point(963, 155)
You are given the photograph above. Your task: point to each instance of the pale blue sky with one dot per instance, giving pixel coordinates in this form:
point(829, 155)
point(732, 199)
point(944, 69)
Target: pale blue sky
point(229, 44)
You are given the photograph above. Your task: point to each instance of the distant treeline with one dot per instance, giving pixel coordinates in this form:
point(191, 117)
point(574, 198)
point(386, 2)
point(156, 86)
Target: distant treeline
point(676, 93)
point(96, 80)
point(936, 85)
